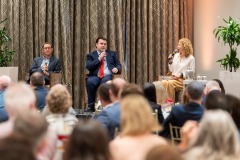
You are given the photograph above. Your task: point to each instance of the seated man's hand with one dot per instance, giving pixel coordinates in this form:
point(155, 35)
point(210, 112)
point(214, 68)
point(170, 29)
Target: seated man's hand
point(115, 70)
point(177, 76)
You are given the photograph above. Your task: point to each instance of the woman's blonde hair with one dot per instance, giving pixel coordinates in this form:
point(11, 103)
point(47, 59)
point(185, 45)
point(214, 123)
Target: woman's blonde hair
point(136, 116)
point(58, 99)
point(187, 45)
point(161, 92)
point(217, 138)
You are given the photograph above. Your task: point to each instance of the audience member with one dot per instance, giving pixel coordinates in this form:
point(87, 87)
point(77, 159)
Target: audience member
point(212, 86)
point(137, 125)
point(178, 65)
point(129, 89)
point(33, 131)
point(234, 105)
point(220, 85)
point(190, 111)
point(150, 94)
point(103, 94)
point(12, 148)
point(88, 140)
point(216, 100)
point(47, 63)
point(37, 82)
point(110, 116)
point(5, 81)
point(102, 64)
point(19, 99)
point(163, 152)
point(216, 138)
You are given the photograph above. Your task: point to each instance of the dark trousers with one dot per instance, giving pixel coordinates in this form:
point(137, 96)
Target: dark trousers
point(93, 83)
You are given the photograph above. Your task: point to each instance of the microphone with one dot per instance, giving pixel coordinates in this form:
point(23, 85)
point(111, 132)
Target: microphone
point(46, 64)
point(173, 54)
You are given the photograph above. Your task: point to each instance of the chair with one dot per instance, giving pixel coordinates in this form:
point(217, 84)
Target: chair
point(155, 115)
point(55, 78)
point(175, 134)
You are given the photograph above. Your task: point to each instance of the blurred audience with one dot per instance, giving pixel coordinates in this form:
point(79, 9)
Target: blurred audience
point(137, 125)
point(5, 81)
point(216, 100)
point(88, 140)
point(220, 85)
point(150, 94)
point(216, 138)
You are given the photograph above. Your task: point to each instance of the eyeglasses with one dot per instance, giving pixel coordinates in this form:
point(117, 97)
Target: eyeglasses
point(47, 48)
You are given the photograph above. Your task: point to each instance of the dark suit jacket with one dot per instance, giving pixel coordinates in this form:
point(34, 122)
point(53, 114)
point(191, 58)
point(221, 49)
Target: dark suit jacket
point(180, 114)
point(54, 66)
point(93, 62)
point(41, 93)
point(110, 118)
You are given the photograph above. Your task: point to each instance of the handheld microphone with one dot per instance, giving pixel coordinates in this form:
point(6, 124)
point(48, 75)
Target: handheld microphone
point(174, 52)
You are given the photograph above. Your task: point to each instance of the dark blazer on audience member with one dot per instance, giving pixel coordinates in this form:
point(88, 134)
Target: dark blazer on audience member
point(110, 118)
point(41, 93)
point(93, 62)
point(157, 107)
point(180, 114)
point(53, 66)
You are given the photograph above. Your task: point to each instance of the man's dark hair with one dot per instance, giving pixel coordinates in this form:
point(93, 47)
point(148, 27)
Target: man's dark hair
point(216, 100)
point(150, 92)
point(103, 38)
point(195, 90)
point(103, 91)
point(47, 43)
point(131, 88)
point(37, 79)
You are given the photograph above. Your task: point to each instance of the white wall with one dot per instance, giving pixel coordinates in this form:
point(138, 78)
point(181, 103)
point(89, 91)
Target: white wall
point(207, 50)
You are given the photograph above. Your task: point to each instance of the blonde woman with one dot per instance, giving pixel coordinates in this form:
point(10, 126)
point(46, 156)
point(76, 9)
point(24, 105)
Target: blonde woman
point(178, 65)
point(161, 93)
point(216, 138)
point(137, 127)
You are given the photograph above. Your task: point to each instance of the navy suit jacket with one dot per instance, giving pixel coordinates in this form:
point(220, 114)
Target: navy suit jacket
point(110, 118)
point(180, 114)
point(41, 93)
point(93, 62)
point(54, 66)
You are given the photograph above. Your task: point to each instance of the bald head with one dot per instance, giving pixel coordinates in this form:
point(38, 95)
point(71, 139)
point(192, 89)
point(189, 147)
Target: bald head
point(5, 81)
point(116, 86)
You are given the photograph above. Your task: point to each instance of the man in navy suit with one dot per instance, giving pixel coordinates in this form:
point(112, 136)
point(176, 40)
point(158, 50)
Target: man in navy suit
point(191, 111)
point(111, 65)
point(46, 63)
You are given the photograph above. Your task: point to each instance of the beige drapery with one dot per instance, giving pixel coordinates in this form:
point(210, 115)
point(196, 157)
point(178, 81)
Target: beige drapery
point(143, 33)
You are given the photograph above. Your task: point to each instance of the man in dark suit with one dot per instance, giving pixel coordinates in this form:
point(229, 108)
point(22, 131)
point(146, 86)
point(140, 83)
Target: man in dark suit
point(46, 63)
point(102, 64)
point(191, 111)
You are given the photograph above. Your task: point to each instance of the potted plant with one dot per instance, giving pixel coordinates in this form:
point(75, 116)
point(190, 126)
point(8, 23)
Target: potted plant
point(6, 55)
point(230, 35)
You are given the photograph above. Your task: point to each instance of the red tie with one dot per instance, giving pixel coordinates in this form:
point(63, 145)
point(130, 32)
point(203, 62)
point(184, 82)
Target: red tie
point(101, 71)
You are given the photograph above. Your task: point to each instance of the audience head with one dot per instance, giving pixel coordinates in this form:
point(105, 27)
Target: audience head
point(161, 93)
point(234, 105)
point(187, 46)
point(37, 79)
point(19, 98)
point(5, 81)
point(58, 99)
point(136, 116)
point(210, 86)
point(32, 126)
point(217, 137)
point(115, 88)
point(131, 88)
point(194, 90)
point(216, 100)
point(150, 92)
point(220, 85)
point(163, 152)
point(12, 148)
point(88, 140)
point(103, 93)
